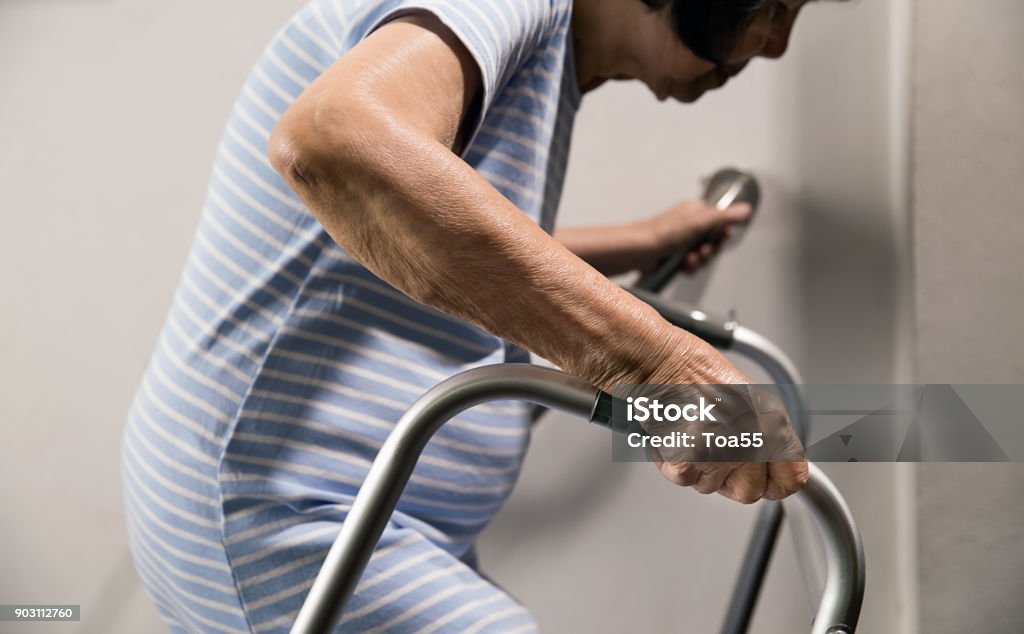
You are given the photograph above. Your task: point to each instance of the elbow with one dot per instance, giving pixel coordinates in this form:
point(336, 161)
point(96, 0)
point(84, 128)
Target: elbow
point(318, 150)
point(293, 153)
point(286, 156)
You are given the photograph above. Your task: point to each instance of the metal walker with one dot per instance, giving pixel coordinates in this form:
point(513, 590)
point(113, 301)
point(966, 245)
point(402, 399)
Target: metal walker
point(843, 583)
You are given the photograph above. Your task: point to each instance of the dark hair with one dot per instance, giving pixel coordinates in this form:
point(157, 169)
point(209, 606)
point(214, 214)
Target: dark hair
point(709, 28)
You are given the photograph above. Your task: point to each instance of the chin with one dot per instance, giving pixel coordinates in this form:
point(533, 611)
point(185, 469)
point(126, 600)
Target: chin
point(696, 93)
point(683, 97)
point(689, 97)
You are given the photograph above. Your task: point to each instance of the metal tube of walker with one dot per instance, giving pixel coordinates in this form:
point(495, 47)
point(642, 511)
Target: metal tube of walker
point(394, 464)
point(390, 472)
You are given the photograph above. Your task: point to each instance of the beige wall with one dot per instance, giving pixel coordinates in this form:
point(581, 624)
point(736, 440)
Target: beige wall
point(969, 255)
point(110, 113)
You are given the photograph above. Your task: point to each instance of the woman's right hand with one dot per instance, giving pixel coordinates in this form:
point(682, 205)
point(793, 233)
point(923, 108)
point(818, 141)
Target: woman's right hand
point(697, 368)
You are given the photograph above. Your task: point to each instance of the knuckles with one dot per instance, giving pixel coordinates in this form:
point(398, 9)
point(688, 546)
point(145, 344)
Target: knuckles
point(681, 473)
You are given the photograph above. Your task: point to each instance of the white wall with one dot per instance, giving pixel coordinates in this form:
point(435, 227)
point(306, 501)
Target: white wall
point(110, 113)
point(969, 239)
point(109, 117)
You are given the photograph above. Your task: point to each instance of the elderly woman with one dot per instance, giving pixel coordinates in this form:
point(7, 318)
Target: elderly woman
point(379, 218)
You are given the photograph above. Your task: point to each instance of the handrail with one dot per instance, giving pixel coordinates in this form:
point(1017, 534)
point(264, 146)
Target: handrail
point(393, 466)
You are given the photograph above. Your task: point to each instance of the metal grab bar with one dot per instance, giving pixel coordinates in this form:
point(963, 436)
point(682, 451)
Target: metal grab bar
point(391, 469)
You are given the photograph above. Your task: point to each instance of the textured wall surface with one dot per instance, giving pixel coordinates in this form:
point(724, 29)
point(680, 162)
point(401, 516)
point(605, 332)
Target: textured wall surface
point(969, 237)
point(969, 213)
point(110, 114)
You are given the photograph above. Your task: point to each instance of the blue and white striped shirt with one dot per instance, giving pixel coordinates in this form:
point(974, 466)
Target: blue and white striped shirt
point(284, 363)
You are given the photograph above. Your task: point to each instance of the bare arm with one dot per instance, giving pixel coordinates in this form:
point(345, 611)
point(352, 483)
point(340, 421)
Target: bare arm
point(368, 147)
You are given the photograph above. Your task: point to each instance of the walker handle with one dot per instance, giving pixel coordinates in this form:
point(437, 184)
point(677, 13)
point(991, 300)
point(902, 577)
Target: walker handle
point(391, 469)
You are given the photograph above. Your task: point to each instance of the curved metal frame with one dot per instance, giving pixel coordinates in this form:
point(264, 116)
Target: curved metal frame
point(391, 469)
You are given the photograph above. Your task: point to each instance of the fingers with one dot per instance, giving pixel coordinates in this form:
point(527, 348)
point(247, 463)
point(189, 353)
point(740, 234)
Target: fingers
point(690, 220)
point(776, 470)
point(701, 255)
point(713, 220)
point(785, 479)
point(713, 229)
point(704, 477)
point(692, 263)
point(713, 475)
point(747, 484)
point(734, 214)
point(693, 227)
point(684, 474)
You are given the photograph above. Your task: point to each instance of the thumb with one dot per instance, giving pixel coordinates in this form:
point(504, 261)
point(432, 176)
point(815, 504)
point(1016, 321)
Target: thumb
point(716, 220)
point(739, 212)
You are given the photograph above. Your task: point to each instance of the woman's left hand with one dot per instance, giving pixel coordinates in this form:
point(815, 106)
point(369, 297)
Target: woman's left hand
point(691, 226)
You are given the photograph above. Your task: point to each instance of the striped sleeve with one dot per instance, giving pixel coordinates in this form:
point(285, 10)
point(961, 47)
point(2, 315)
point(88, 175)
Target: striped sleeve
point(500, 35)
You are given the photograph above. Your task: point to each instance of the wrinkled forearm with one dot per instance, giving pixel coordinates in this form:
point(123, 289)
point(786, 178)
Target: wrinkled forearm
point(420, 218)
